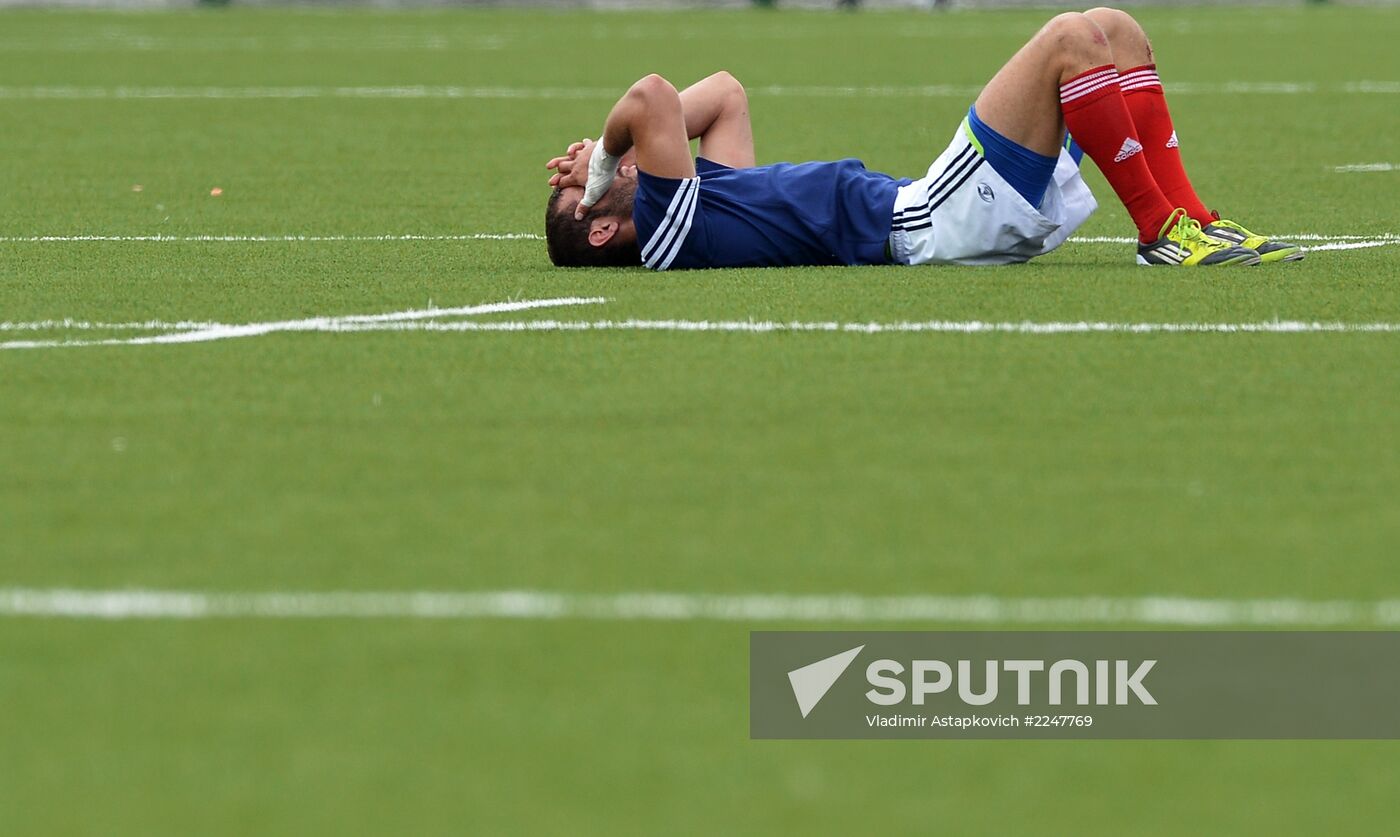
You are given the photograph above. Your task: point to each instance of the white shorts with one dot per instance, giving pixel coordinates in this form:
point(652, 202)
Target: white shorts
point(963, 212)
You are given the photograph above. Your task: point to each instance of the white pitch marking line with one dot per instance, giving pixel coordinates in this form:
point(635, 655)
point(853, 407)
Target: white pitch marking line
point(149, 43)
point(929, 327)
point(307, 92)
point(421, 321)
point(223, 331)
point(691, 607)
point(1366, 167)
point(1353, 245)
point(83, 325)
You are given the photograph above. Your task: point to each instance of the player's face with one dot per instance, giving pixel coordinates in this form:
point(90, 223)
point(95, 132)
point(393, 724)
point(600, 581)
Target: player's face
point(569, 200)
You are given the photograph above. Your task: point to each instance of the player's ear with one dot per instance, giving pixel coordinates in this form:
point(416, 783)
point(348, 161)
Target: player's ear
point(602, 230)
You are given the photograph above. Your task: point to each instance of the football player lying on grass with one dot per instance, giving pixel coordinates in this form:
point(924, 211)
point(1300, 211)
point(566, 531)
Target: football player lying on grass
point(1007, 188)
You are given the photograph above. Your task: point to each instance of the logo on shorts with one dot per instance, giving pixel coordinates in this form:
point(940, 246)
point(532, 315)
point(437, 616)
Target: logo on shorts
point(1130, 147)
point(1172, 143)
point(985, 192)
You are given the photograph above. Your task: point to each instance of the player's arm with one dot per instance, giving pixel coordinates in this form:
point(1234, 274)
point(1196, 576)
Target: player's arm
point(649, 119)
point(716, 110)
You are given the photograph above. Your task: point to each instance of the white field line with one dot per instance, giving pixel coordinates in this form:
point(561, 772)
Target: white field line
point(1366, 167)
point(222, 331)
point(419, 321)
point(1353, 245)
point(1286, 88)
point(690, 607)
point(134, 42)
point(309, 92)
point(44, 239)
point(929, 327)
point(68, 324)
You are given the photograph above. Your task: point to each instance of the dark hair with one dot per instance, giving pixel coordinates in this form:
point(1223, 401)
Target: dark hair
point(568, 244)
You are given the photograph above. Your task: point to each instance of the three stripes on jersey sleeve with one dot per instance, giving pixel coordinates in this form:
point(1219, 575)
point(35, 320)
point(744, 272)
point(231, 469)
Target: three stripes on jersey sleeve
point(665, 243)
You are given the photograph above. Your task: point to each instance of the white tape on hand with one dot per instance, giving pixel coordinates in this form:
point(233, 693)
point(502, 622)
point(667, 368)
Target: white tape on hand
point(602, 168)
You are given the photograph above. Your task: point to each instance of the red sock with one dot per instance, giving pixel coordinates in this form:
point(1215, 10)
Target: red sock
point(1142, 90)
point(1097, 116)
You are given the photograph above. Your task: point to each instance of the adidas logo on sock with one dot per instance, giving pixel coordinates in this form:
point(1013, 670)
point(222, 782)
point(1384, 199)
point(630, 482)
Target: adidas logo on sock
point(1172, 143)
point(1130, 147)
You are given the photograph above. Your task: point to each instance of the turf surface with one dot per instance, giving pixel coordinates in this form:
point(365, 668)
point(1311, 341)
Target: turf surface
point(1234, 466)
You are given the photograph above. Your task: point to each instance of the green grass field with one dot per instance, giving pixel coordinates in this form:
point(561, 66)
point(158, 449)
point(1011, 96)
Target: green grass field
point(1234, 466)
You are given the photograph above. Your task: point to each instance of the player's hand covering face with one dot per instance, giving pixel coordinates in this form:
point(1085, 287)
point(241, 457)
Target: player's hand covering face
point(571, 169)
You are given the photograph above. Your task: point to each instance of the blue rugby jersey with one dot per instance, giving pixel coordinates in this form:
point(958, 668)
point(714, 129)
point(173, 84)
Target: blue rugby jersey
point(768, 216)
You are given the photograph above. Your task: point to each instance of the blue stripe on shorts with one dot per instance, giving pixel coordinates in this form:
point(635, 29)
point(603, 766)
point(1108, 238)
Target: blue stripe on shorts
point(1028, 173)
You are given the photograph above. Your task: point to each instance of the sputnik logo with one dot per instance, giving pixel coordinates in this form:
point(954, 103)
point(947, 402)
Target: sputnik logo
point(811, 682)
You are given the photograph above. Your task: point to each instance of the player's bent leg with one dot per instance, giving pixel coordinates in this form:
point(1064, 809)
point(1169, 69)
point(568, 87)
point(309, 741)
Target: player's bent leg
point(1021, 101)
point(983, 200)
point(986, 199)
point(1016, 119)
point(1065, 76)
point(1093, 110)
point(1142, 90)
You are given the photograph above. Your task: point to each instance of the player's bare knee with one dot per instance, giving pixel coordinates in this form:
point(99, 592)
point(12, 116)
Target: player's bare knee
point(653, 88)
point(732, 90)
point(727, 79)
point(1075, 38)
point(738, 92)
point(1122, 29)
point(1114, 21)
